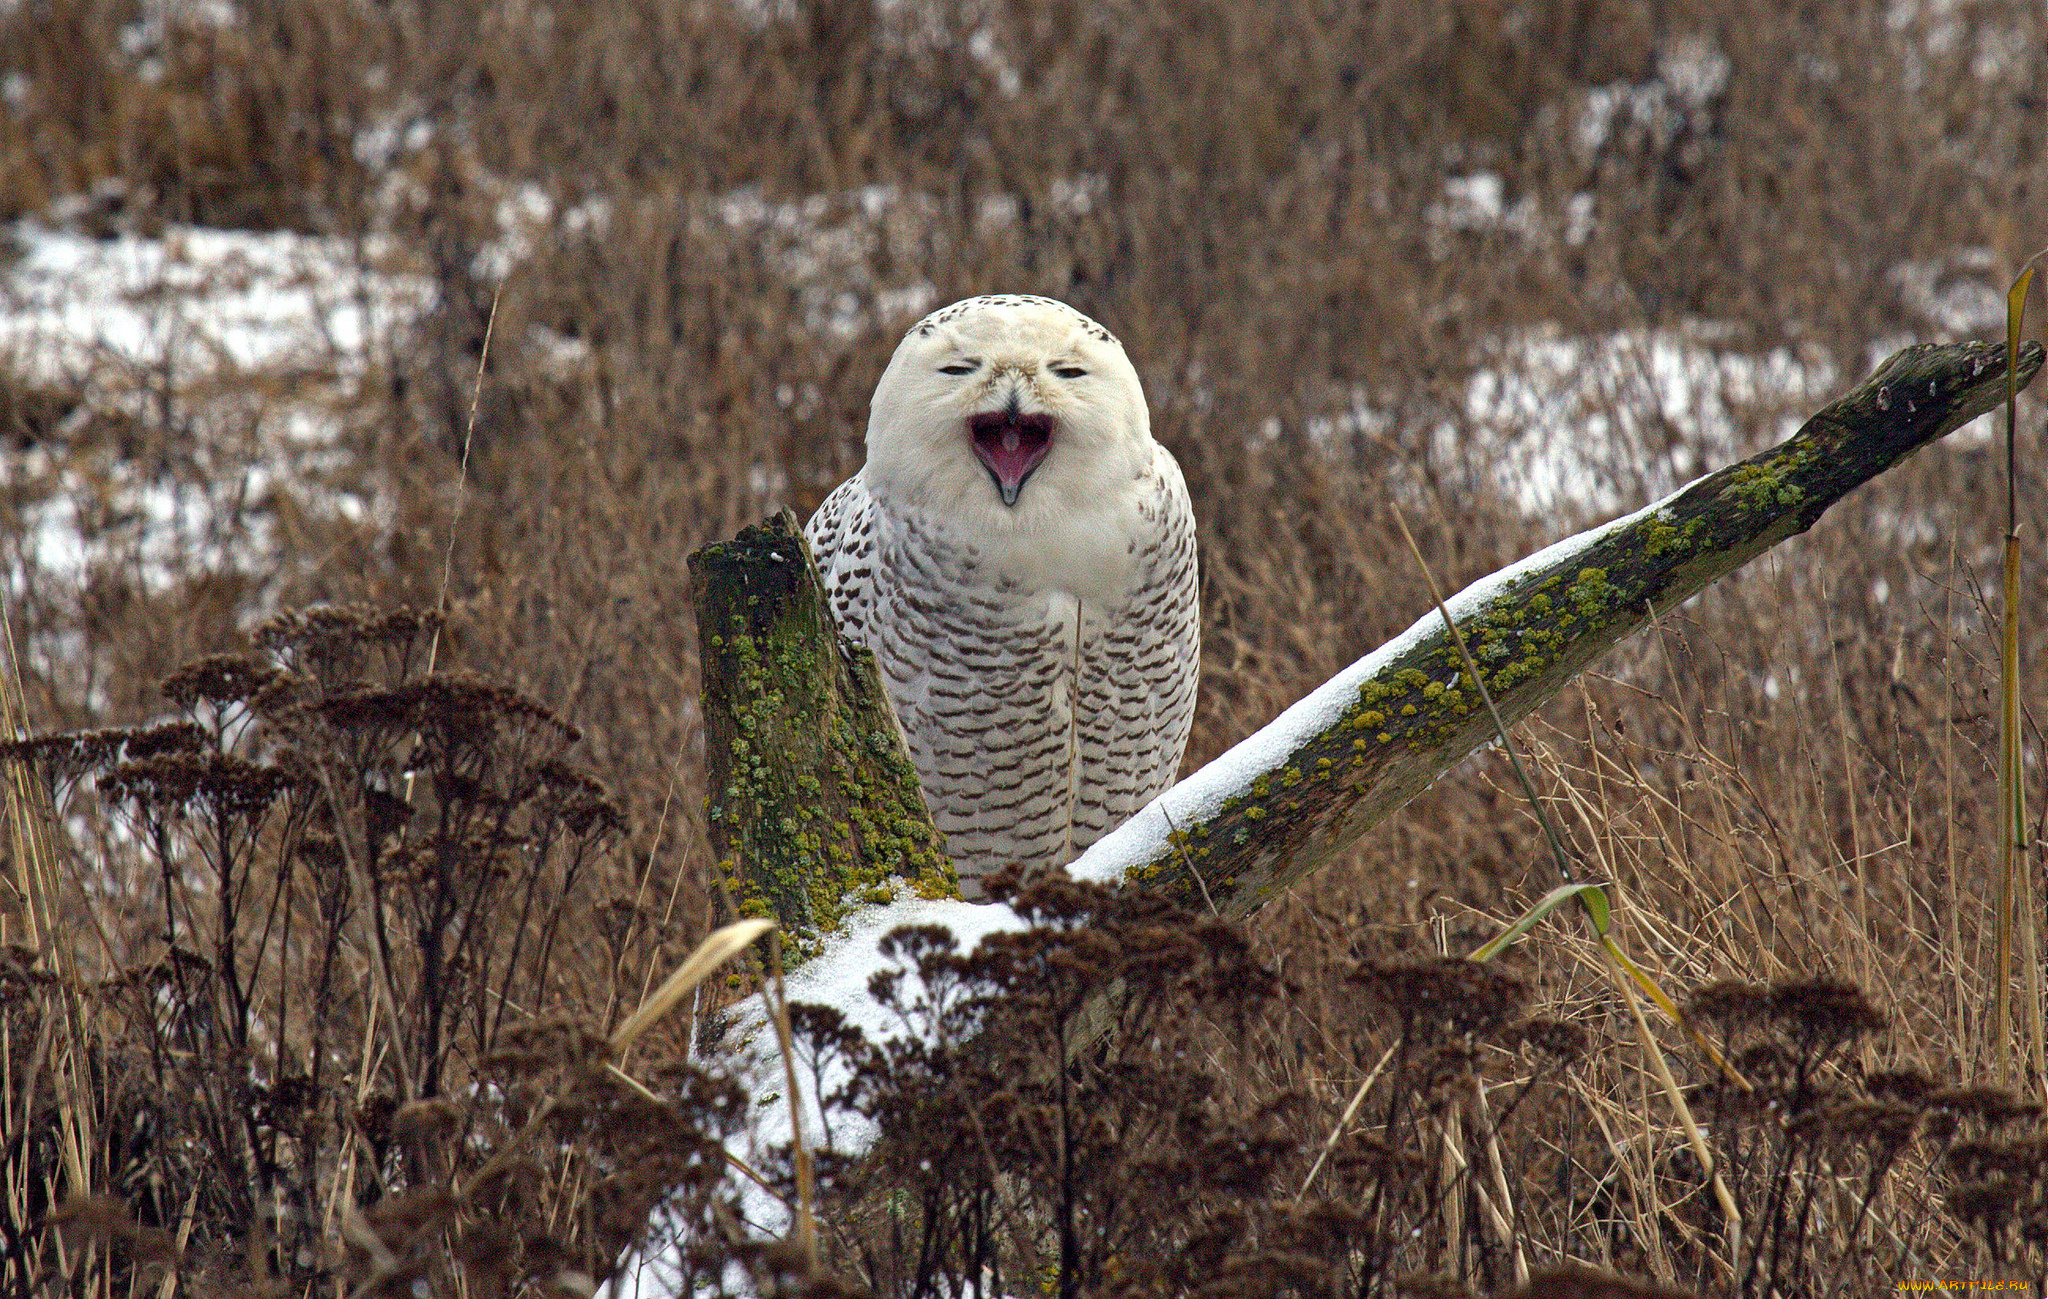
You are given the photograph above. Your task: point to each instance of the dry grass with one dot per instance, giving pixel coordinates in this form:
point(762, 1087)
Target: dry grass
point(1790, 779)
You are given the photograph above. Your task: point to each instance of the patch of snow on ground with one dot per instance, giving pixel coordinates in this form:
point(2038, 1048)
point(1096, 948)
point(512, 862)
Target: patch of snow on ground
point(194, 301)
point(1576, 426)
point(1690, 75)
point(827, 244)
point(1957, 294)
point(1478, 202)
point(229, 344)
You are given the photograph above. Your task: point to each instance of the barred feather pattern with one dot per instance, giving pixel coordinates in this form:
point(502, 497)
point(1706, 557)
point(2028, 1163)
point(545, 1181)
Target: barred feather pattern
point(1038, 721)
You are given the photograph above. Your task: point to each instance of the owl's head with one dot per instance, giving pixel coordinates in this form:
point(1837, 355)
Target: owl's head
point(1016, 408)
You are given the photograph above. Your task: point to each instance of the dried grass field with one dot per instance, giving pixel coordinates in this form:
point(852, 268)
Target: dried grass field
point(367, 371)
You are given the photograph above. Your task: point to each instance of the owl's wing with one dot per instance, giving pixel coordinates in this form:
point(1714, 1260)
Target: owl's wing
point(1138, 683)
point(842, 535)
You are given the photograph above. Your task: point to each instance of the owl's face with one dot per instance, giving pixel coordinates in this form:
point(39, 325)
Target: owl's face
point(1019, 409)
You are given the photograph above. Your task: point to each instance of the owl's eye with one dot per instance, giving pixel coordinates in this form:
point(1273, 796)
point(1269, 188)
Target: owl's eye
point(959, 367)
point(1069, 371)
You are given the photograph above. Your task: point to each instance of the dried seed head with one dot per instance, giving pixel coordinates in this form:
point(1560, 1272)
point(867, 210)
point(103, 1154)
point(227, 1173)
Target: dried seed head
point(1985, 1205)
point(1820, 1013)
point(1577, 1281)
point(333, 641)
point(544, 1044)
point(226, 784)
point(105, 1219)
point(1907, 1086)
point(166, 737)
point(1566, 1042)
point(62, 758)
point(219, 679)
point(1432, 1287)
point(1730, 1003)
point(1467, 996)
point(409, 1213)
point(1991, 1106)
point(373, 1116)
point(578, 799)
point(425, 1123)
point(1768, 1065)
point(1364, 1158)
point(1881, 1126)
point(1977, 1160)
point(1443, 1066)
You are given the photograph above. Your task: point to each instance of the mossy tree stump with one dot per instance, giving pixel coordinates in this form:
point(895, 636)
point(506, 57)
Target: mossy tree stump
point(814, 804)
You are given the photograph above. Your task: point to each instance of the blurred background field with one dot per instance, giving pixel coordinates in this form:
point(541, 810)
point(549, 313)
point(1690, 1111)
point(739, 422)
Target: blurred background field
point(338, 302)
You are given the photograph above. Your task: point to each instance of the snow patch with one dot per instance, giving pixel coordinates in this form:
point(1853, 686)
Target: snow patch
point(837, 977)
point(195, 302)
point(239, 347)
point(1577, 425)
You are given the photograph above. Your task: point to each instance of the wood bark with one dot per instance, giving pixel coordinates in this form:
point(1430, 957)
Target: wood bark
point(776, 678)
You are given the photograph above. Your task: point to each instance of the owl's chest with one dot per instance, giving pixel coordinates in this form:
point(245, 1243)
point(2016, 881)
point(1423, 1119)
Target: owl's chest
point(1052, 575)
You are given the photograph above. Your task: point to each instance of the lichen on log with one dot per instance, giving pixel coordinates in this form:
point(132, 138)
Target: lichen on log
point(813, 802)
point(1232, 837)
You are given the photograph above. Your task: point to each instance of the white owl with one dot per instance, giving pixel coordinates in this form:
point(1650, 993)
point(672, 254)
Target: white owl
point(1020, 556)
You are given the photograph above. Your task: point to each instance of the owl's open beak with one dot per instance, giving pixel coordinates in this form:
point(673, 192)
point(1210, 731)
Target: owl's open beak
point(1011, 445)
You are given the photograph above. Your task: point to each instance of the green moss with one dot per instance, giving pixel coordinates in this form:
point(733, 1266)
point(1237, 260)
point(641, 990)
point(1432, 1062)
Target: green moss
point(1592, 596)
point(1766, 487)
point(1662, 537)
point(809, 863)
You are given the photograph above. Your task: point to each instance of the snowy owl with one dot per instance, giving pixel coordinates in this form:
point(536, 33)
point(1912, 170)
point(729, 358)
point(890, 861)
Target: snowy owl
point(1020, 556)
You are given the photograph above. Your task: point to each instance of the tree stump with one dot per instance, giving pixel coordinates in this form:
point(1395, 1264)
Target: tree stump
point(814, 805)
